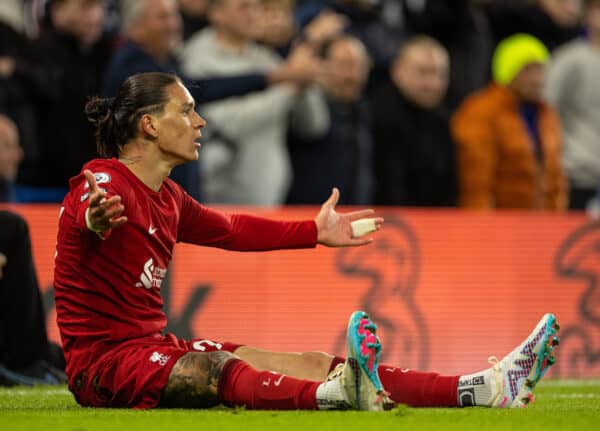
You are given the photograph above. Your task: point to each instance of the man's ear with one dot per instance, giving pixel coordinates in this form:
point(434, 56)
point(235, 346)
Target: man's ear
point(148, 125)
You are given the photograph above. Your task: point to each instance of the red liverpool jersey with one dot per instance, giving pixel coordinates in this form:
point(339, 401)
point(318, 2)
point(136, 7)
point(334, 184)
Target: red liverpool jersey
point(108, 288)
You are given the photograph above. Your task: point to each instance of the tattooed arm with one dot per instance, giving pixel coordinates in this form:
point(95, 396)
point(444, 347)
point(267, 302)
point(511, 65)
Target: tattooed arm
point(194, 380)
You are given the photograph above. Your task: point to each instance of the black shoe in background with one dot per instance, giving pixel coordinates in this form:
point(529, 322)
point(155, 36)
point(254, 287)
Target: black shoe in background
point(56, 357)
point(38, 373)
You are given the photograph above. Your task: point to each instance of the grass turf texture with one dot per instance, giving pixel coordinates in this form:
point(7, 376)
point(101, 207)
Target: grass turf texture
point(564, 404)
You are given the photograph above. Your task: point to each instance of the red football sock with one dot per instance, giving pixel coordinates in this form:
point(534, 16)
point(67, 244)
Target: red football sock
point(415, 388)
point(242, 385)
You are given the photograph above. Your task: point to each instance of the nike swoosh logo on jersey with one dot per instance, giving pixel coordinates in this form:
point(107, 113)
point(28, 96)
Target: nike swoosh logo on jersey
point(152, 229)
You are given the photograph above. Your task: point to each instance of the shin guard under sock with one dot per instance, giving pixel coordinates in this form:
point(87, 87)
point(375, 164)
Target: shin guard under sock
point(242, 385)
point(415, 388)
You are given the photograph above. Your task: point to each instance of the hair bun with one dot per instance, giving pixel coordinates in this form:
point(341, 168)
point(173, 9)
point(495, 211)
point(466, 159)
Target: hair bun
point(97, 109)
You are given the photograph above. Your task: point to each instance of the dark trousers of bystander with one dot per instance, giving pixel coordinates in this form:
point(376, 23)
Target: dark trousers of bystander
point(26, 356)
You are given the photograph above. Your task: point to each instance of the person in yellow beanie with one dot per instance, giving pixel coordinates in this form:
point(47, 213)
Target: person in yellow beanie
point(508, 138)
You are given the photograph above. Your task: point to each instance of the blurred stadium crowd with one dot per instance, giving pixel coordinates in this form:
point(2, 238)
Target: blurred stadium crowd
point(469, 103)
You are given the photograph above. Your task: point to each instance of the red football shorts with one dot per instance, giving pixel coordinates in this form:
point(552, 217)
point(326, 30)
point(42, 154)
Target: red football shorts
point(135, 373)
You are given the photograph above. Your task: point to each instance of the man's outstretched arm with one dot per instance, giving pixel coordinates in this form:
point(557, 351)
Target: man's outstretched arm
point(240, 232)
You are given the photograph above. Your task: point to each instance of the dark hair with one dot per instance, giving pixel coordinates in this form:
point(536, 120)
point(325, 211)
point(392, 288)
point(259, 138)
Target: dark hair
point(419, 40)
point(116, 119)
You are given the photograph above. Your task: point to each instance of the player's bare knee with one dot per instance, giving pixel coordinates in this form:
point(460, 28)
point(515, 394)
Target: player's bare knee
point(318, 362)
point(194, 380)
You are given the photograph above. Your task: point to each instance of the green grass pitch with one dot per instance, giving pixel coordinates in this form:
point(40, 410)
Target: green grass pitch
point(560, 404)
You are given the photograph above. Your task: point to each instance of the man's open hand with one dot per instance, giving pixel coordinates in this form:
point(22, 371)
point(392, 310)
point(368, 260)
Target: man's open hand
point(335, 230)
point(102, 214)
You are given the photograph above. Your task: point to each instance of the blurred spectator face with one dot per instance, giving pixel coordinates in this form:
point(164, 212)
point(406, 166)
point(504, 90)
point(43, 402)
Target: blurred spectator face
point(350, 65)
point(10, 151)
point(159, 27)
point(420, 72)
point(276, 22)
point(592, 18)
point(529, 82)
point(237, 19)
point(84, 19)
point(565, 13)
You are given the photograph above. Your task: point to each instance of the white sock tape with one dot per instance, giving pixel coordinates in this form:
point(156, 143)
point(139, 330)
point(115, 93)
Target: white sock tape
point(362, 227)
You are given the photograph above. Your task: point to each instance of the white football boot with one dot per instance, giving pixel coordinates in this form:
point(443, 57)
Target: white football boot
point(516, 375)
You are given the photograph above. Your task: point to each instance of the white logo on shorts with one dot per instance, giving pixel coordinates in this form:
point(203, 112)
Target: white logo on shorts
point(160, 358)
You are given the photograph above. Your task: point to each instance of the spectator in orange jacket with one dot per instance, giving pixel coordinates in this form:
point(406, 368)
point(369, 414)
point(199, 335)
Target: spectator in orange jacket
point(508, 138)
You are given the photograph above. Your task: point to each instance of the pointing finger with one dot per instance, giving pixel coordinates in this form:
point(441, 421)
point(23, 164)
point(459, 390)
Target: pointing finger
point(91, 180)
